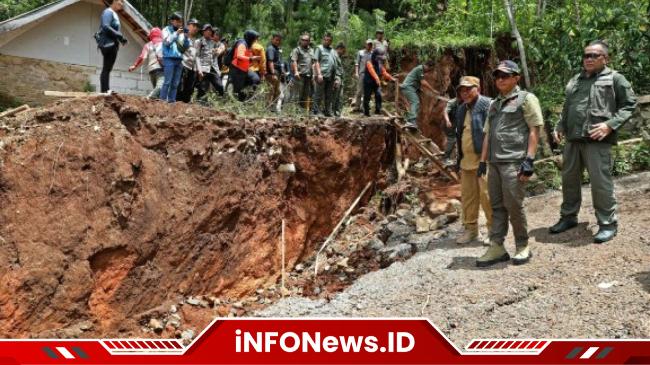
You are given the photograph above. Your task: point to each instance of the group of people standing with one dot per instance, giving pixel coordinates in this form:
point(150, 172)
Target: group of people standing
point(183, 57)
point(496, 139)
point(497, 142)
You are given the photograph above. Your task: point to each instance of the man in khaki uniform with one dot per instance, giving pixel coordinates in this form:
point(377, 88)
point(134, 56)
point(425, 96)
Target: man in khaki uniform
point(302, 60)
point(510, 146)
point(469, 119)
point(598, 102)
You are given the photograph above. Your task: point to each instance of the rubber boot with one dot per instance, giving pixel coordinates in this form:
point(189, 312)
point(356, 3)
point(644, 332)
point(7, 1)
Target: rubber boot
point(495, 253)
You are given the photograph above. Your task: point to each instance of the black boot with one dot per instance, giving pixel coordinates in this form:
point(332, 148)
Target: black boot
point(605, 233)
point(563, 225)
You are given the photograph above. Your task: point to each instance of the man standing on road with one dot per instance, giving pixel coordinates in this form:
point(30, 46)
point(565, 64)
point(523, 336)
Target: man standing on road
point(598, 102)
point(410, 88)
point(509, 146)
point(324, 73)
point(302, 58)
point(469, 120)
point(359, 71)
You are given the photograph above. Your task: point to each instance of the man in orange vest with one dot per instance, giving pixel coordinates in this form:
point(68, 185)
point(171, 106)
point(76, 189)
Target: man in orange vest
point(240, 74)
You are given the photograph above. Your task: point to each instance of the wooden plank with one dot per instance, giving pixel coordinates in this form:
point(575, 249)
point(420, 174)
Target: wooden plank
point(10, 112)
point(68, 94)
point(643, 99)
point(411, 137)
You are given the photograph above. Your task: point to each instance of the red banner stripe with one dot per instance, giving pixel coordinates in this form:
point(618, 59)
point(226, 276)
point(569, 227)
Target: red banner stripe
point(118, 345)
point(541, 344)
point(177, 345)
point(473, 344)
point(532, 345)
point(143, 345)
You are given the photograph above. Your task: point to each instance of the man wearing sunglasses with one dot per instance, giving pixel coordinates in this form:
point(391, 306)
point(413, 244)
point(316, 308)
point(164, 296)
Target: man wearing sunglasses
point(598, 102)
point(510, 144)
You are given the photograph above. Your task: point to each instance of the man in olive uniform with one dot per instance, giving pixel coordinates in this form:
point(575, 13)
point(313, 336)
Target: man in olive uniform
point(324, 77)
point(410, 88)
point(301, 69)
point(598, 102)
point(469, 119)
point(449, 127)
point(337, 103)
point(510, 145)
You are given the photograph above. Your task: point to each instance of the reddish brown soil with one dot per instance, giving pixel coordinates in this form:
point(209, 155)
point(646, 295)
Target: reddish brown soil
point(111, 206)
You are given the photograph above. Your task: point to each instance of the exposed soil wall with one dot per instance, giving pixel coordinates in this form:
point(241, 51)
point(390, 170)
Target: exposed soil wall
point(450, 66)
point(111, 205)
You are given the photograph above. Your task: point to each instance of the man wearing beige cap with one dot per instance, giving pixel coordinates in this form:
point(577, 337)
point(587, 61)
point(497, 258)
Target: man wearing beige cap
point(510, 146)
point(359, 71)
point(469, 120)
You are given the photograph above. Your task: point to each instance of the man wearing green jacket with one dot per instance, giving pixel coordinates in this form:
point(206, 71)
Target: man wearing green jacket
point(598, 102)
point(509, 146)
point(410, 88)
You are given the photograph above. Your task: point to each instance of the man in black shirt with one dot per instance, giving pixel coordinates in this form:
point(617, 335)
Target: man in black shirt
point(274, 67)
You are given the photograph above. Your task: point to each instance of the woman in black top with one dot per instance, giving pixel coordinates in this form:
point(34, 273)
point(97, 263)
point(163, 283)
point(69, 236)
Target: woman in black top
point(109, 40)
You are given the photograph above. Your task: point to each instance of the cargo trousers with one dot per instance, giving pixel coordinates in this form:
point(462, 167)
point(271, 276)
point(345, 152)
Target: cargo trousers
point(414, 100)
point(596, 157)
point(507, 195)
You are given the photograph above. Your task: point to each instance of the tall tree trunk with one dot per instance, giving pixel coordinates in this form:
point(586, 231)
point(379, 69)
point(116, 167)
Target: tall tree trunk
point(520, 41)
point(541, 6)
point(577, 6)
point(344, 15)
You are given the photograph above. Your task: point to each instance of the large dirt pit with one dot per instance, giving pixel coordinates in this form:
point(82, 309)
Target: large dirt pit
point(112, 206)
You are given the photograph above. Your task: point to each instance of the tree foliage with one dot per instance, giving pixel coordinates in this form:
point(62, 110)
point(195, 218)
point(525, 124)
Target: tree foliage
point(554, 32)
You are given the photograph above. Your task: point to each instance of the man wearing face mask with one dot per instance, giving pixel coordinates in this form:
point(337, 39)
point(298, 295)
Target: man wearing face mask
point(598, 102)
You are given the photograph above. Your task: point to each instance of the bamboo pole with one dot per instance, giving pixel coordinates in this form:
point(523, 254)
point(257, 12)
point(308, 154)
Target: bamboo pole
point(338, 226)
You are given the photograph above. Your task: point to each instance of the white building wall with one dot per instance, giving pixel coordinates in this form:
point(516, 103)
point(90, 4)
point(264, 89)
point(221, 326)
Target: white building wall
point(66, 36)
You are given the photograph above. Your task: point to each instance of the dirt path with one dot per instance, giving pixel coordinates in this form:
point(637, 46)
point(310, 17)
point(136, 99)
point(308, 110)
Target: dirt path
point(571, 288)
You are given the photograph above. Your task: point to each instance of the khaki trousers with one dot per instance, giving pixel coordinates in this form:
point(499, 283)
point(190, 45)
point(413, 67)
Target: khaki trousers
point(474, 194)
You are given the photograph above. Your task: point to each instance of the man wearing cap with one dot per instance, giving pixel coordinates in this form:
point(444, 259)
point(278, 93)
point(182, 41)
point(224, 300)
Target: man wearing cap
point(324, 76)
point(469, 118)
point(510, 144)
point(188, 75)
point(598, 102)
point(410, 88)
point(363, 56)
point(302, 59)
point(207, 65)
point(175, 42)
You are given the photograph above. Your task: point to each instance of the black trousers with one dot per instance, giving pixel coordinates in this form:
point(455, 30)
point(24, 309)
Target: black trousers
point(238, 79)
point(213, 79)
point(370, 88)
point(110, 55)
point(186, 86)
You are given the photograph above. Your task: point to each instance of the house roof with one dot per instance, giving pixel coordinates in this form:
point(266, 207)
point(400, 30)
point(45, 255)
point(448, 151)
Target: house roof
point(132, 16)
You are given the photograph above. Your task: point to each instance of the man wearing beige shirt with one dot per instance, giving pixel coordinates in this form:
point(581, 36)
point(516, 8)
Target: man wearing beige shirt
point(469, 120)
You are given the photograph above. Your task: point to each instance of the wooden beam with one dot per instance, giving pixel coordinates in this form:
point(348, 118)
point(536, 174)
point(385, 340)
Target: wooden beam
point(10, 112)
point(68, 94)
